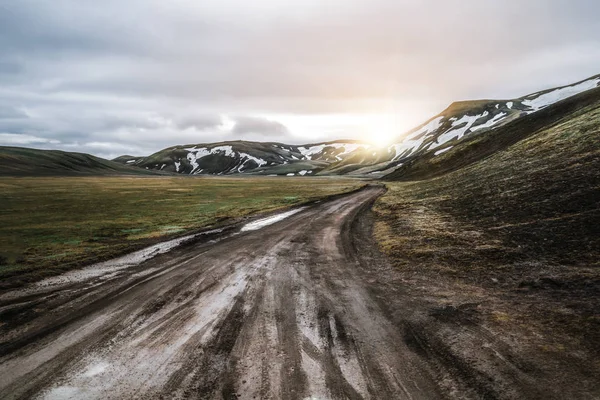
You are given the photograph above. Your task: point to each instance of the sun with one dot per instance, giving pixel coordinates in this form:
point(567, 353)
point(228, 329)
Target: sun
point(382, 131)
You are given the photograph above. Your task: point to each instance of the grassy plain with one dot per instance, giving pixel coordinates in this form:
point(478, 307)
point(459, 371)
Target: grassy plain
point(52, 224)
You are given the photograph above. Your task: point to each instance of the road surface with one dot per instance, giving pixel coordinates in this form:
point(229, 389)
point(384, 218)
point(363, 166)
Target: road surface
point(271, 312)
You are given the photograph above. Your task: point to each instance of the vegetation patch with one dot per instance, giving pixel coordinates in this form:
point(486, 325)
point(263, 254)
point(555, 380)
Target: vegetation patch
point(49, 225)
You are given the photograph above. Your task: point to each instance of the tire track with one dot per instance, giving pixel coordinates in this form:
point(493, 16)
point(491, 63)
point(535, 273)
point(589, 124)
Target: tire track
point(276, 313)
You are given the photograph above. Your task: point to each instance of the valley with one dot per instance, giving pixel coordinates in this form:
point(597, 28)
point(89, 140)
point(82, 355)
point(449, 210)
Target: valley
point(299, 200)
point(460, 262)
point(463, 120)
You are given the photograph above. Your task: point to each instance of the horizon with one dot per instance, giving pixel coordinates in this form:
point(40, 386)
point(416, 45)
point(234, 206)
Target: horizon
point(127, 78)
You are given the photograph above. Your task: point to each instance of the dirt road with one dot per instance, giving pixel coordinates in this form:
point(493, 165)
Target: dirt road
point(274, 311)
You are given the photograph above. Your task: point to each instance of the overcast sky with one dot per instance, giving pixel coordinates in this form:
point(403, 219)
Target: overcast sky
point(118, 77)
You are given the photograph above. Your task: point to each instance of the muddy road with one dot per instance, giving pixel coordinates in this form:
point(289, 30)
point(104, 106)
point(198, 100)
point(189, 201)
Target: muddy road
point(300, 305)
point(275, 311)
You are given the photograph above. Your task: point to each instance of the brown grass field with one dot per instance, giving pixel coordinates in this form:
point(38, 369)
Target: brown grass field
point(52, 224)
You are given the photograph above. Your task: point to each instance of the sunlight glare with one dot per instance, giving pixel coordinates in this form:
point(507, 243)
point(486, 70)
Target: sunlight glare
point(382, 130)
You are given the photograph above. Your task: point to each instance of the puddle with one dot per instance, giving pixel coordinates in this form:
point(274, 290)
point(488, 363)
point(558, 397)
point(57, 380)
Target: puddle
point(261, 223)
point(110, 267)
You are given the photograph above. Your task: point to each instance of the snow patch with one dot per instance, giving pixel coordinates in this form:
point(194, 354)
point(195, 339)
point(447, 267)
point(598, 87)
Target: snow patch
point(411, 144)
point(546, 99)
point(493, 121)
point(437, 153)
point(310, 151)
point(95, 369)
point(347, 149)
point(431, 126)
point(110, 268)
point(191, 157)
point(228, 150)
point(258, 161)
point(197, 153)
point(457, 133)
point(201, 152)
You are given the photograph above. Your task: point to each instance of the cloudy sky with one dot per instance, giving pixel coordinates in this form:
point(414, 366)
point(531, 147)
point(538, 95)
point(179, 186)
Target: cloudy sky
point(118, 77)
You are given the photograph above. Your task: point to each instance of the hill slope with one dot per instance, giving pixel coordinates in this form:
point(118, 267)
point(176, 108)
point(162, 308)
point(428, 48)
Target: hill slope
point(460, 121)
point(506, 249)
point(477, 147)
point(19, 161)
point(246, 157)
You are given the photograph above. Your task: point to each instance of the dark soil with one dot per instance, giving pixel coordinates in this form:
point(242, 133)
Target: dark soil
point(511, 245)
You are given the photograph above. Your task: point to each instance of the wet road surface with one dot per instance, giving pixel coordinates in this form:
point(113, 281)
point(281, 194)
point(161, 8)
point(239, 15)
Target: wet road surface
point(279, 312)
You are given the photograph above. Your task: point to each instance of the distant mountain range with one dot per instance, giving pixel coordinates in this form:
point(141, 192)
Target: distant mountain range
point(440, 134)
point(419, 149)
point(247, 157)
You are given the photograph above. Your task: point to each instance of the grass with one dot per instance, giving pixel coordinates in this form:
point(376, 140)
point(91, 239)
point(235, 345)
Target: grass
point(52, 224)
point(520, 226)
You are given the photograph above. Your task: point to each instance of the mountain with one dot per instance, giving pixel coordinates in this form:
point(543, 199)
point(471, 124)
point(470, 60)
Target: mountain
point(460, 121)
point(19, 161)
point(247, 157)
point(506, 222)
point(477, 147)
point(127, 159)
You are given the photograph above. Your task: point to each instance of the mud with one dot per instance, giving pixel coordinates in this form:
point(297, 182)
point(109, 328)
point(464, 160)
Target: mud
point(273, 313)
point(294, 310)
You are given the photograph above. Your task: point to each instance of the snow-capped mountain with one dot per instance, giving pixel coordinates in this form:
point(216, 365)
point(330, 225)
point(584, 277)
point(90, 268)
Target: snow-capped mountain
point(434, 137)
point(472, 117)
point(460, 120)
point(247, 157)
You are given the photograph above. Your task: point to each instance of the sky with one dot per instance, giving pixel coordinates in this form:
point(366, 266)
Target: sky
point(117, 77)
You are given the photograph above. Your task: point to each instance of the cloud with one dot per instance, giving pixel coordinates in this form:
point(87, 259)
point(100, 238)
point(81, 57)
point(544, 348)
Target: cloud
point(10, 68)
point(199, 122)
point(12, 139)
point(261, 126)
point(11, 113)
point(140, 75)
